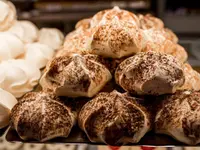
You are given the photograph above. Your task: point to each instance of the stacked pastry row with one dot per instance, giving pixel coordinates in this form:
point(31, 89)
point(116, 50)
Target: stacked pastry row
point(24, 51)
point(115, 60)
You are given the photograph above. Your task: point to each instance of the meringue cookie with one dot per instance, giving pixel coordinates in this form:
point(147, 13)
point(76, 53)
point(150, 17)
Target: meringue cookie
point(150, 22)
point(75, 76)
point(10, 46)
point(114, 118)
point(150, 73)
point(39, 54)
point(116, 39)
point(192, 78)
point(7, 102)
point(51, 37)
point(8, 15)
point(178, 117)
point(42, 116)
point(18, 76)
point(25, 30)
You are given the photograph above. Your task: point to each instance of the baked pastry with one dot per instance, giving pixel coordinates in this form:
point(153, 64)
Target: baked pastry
point(7, 101)
point(51, 37)
point(170, 35)
point(8, 15)
point(116, 39)
point(155, 40)
point(150, 73)
point(39, 54)
point(40, 116)
point(192, 78)
point(75, 76)
point(150, 22)
point(106, 16)
point(10, 46)
point(179, 117)
point(111, 113)
point(25, 30)
point(18, 76)
point(77, 41)
point(84, 23)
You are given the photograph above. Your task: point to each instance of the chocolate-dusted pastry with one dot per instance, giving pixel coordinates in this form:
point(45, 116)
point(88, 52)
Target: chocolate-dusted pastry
point(116, 39)
point(192, 78)
point(75, 76)
point(41, 116)
point(150, 22)
point(179, 117)
point(114, 118)
point(150, 73)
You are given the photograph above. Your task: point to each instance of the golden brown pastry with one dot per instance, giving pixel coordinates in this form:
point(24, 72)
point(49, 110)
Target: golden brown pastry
point(84, 23)
point(150, 73)
point(107, 16)
point(40, 116)
point(114, 118)
point(150, 22)
point(75, 76)
point(192, 78)
point(116, 39)
point(155, 40)
point(170, 35)
point(179, 117)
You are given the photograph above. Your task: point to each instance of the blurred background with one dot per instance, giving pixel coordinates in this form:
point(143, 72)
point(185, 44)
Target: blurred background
point(182, 16)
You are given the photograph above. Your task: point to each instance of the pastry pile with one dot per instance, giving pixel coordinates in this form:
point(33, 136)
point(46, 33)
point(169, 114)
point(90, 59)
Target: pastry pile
point(132, 71)
point(24, 51)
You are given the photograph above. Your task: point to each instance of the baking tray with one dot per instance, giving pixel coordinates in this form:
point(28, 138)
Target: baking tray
point(79, 137)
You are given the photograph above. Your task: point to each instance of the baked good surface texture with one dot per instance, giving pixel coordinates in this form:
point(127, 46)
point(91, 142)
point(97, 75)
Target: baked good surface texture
point(150, 73)
point(114, 118)
point(41, 116)
point(75, 76)
point(179, 117)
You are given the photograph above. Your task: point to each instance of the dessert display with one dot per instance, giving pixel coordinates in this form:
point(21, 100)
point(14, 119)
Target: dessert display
point(179, 117)
point(124, 75)
point(114, 118)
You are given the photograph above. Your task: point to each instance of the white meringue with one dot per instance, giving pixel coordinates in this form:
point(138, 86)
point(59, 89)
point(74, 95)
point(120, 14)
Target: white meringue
point(51, 37)
point(18, 76)
point(25, 30)
point(10, 46)
point(7, 101)
point(8, 15)
point(39, 54)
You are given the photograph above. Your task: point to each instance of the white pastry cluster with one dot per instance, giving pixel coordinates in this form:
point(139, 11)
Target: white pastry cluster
point(24, 50)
